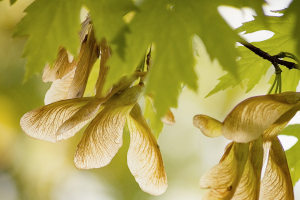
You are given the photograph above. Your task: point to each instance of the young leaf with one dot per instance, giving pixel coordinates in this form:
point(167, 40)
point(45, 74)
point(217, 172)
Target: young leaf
point(292, 155)
point(293, 10)
point(155, 124)
point(253, 67)
point(49, 25)
point(256, 5)
point(107, 16)
point(12, 2)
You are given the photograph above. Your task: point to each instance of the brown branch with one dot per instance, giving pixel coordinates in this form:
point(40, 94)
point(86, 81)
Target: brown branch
point(275, 60)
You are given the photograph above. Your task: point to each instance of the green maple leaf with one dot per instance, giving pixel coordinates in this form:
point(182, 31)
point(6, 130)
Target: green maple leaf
point(49, 25)
point(156, 125)
point(169, 26)
point(12, 2)
point(293, 10)
point(292, 154)
point(107, 17)
point(256, 5)
point(251, 67)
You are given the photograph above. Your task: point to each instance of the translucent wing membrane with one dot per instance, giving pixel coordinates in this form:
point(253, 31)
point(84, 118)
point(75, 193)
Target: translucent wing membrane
point(249, 119)
point(223, 179)
point(144, 157)
point(249, 185)
point(103, 137)
point(44, 122)
point(61, 67)
point(60, 88)
point(277, 182)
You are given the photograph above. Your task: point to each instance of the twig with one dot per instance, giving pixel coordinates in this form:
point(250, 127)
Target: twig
point(273, 59)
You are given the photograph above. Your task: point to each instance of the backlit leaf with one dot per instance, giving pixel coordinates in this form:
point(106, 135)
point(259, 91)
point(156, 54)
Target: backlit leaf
point(292, 155)
point(107, 16)
point(291, 11)
point(251, 67)
point(12, 2)
point(171, 39)
point(155, 124)
point(49, 25)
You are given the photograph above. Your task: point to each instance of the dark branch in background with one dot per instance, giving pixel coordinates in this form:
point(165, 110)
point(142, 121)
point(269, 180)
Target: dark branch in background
point(275, 60)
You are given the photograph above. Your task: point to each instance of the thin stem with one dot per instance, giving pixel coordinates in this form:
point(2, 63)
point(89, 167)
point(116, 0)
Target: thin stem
point(279, 83)
point(148, 59)
point(274, 82)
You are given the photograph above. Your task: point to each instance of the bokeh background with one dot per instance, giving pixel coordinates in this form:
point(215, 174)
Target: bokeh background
point(32, 169)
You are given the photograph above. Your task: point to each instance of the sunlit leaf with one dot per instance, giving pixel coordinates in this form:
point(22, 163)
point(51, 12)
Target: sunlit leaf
point(149, 113)
point(171, 37)
point(293, 156)
point(291, 11)
point(251, 67)
point(49, 27)
point(12, 2)
point(107, 16)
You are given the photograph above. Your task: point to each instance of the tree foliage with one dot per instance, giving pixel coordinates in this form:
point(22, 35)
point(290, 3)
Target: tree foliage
point(166, 25)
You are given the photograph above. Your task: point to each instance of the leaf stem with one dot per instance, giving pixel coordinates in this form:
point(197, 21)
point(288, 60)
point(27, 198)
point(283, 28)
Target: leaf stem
point(277, 80)
point(274, 82)
point(279, 83)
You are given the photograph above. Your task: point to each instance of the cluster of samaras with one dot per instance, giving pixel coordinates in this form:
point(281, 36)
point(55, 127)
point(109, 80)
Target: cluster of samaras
point(66, 111)
point(253, 125)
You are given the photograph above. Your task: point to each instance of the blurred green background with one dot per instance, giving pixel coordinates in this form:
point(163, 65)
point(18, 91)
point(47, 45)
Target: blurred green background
point(32, 169)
